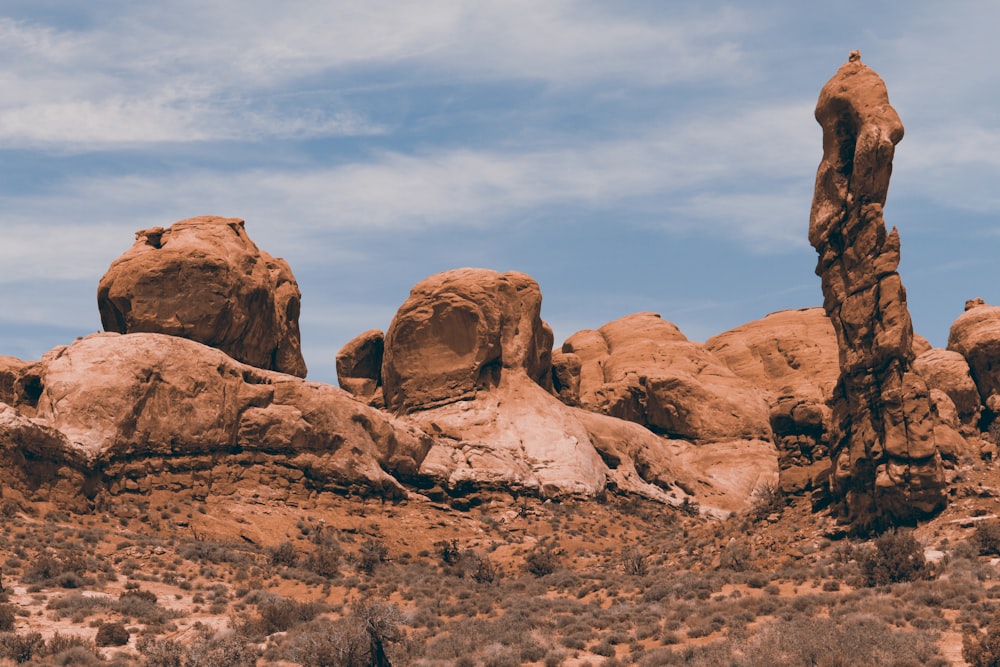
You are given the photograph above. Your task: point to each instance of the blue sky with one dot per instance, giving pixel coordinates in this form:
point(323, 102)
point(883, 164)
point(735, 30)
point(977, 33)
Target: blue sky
point(629, 156)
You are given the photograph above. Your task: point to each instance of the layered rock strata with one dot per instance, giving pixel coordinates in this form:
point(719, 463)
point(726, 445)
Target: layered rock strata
point(114, 413)
point(205, 280)
point(886, 467)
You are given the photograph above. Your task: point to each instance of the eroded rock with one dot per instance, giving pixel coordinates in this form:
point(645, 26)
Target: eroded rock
point(886, 465)
point(976, 336)
point(144, 411)
point(359, 366)
point(790, 357)
point(205, 280)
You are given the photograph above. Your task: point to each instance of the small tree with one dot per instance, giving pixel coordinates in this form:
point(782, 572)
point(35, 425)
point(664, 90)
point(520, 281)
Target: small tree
point(895, 557)
point(112, 634)
point(634, 562)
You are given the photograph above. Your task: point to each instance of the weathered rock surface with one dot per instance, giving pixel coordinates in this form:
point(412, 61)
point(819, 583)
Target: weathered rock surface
point(643, 369)
point(359, 366)
point(976, 336)
point(458, 332)
point(142, 411)
point(791, 358)
point(949, 372)
point(205, 280)
point(886, 465)
point(467, 360)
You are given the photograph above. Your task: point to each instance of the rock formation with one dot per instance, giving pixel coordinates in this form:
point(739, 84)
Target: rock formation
point(204, 279)
point(643, 369)
point(129, 413)
point(885, 463)
point(468, 361)
point(976, 336)
point(359, 366)
point(790, 357)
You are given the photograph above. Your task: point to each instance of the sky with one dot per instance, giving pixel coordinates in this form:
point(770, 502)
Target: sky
point(629, 156)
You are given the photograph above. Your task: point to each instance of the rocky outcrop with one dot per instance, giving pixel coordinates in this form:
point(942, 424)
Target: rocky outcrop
point(643, 369)
point(790, 357)
point(458, 332)
point(359, 366)
point(948, 371)
point(886, 466)
point(205, 280)
point(137, 412)
point(467, 360)
point(976, 336)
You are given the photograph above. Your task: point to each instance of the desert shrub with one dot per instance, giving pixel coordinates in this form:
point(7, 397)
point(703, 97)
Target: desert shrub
point(541, 560)
point(9, 508)
point(212, 551)
point(987, 538)
point(278, 614)
point(983, 650)
point(634, 562)
point(6, 618)
point(283, 554)
point(767, 499)
point(895, 557)
point(160, 652)
point(736, 556)
point(323, 642)
point(112, 634)
point(206, 650)
point(20, 648)
point(142, 606)
point(448, 551)
point(373, 552)
point(325, 558)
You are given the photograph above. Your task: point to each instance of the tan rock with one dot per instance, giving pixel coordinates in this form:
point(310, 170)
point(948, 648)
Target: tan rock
point(458, 332)
point(886, 466)
point(205, 280)
point(949, 372)
point(566, 369)
point(651, 374)
point(135, 405)
point(976, 336)
point(359, 365)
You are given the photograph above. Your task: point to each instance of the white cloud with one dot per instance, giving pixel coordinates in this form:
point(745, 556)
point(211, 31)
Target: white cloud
point(184, 71)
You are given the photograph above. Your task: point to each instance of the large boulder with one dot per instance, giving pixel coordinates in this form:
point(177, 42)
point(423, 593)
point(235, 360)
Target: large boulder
point(142, 411)
point(976, 336)
point(791, 358)
point(458, 332)
point(886, 465)
point(643, 369)
point(205, 280)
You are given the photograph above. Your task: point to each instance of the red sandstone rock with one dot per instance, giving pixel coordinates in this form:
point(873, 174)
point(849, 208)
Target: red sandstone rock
point(791, 358)
point(359, 366)
point(458, 332)
point(948, 371)
point(204, 279)
point(651, 374)
point(976, 336)
point(886, 466)
point(146, 410)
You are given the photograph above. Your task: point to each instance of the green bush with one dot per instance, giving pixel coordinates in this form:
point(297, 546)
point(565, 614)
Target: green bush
point(895, 557)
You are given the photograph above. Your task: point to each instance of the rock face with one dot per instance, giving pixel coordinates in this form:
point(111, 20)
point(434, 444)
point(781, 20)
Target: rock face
point(359, 366)
point(643, 369)
point(886, 465)
point(976, 336)
point(790, 357)
point(141, 411)
point(205, 280)
point(468, 361)
point(458, 332)
point(949, 372)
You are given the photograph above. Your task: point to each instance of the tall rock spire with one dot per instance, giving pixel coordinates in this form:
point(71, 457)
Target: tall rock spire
point(886, 467)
